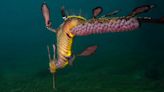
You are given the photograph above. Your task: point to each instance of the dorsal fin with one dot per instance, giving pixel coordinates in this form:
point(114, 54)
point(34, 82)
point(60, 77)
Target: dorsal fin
point(96, 11)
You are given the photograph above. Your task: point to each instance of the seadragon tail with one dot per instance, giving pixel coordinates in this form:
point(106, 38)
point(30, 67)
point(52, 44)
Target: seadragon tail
point(122, 24)
point(143, 9)
point(151, 20)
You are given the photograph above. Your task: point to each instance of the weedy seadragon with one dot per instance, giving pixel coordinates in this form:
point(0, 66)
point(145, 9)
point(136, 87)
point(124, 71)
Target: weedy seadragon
point(79, 26)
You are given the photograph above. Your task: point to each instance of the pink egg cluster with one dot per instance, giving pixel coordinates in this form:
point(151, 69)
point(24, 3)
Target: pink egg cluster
point(111, 25)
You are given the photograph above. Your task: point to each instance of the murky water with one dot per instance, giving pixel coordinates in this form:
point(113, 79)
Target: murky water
point(124, 62)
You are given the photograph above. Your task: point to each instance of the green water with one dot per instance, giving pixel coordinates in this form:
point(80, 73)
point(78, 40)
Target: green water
point(124, 62)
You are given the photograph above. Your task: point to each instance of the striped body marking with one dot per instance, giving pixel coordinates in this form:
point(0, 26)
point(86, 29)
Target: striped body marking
point(65, 40)
point(78, 26)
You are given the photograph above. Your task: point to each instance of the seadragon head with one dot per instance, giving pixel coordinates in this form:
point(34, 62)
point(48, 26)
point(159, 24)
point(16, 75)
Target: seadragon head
point(52, 62)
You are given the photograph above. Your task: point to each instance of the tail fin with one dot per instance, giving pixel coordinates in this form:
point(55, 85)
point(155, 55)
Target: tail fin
point(151, 20)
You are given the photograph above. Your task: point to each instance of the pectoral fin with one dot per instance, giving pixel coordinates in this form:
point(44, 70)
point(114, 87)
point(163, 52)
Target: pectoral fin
point(88, 51)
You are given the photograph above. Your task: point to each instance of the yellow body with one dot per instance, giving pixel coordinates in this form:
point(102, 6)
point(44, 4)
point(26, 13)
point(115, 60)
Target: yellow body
point(52, 67)
point(65, 39)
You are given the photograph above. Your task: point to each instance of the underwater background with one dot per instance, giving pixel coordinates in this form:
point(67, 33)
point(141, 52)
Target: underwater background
point(124, 62)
